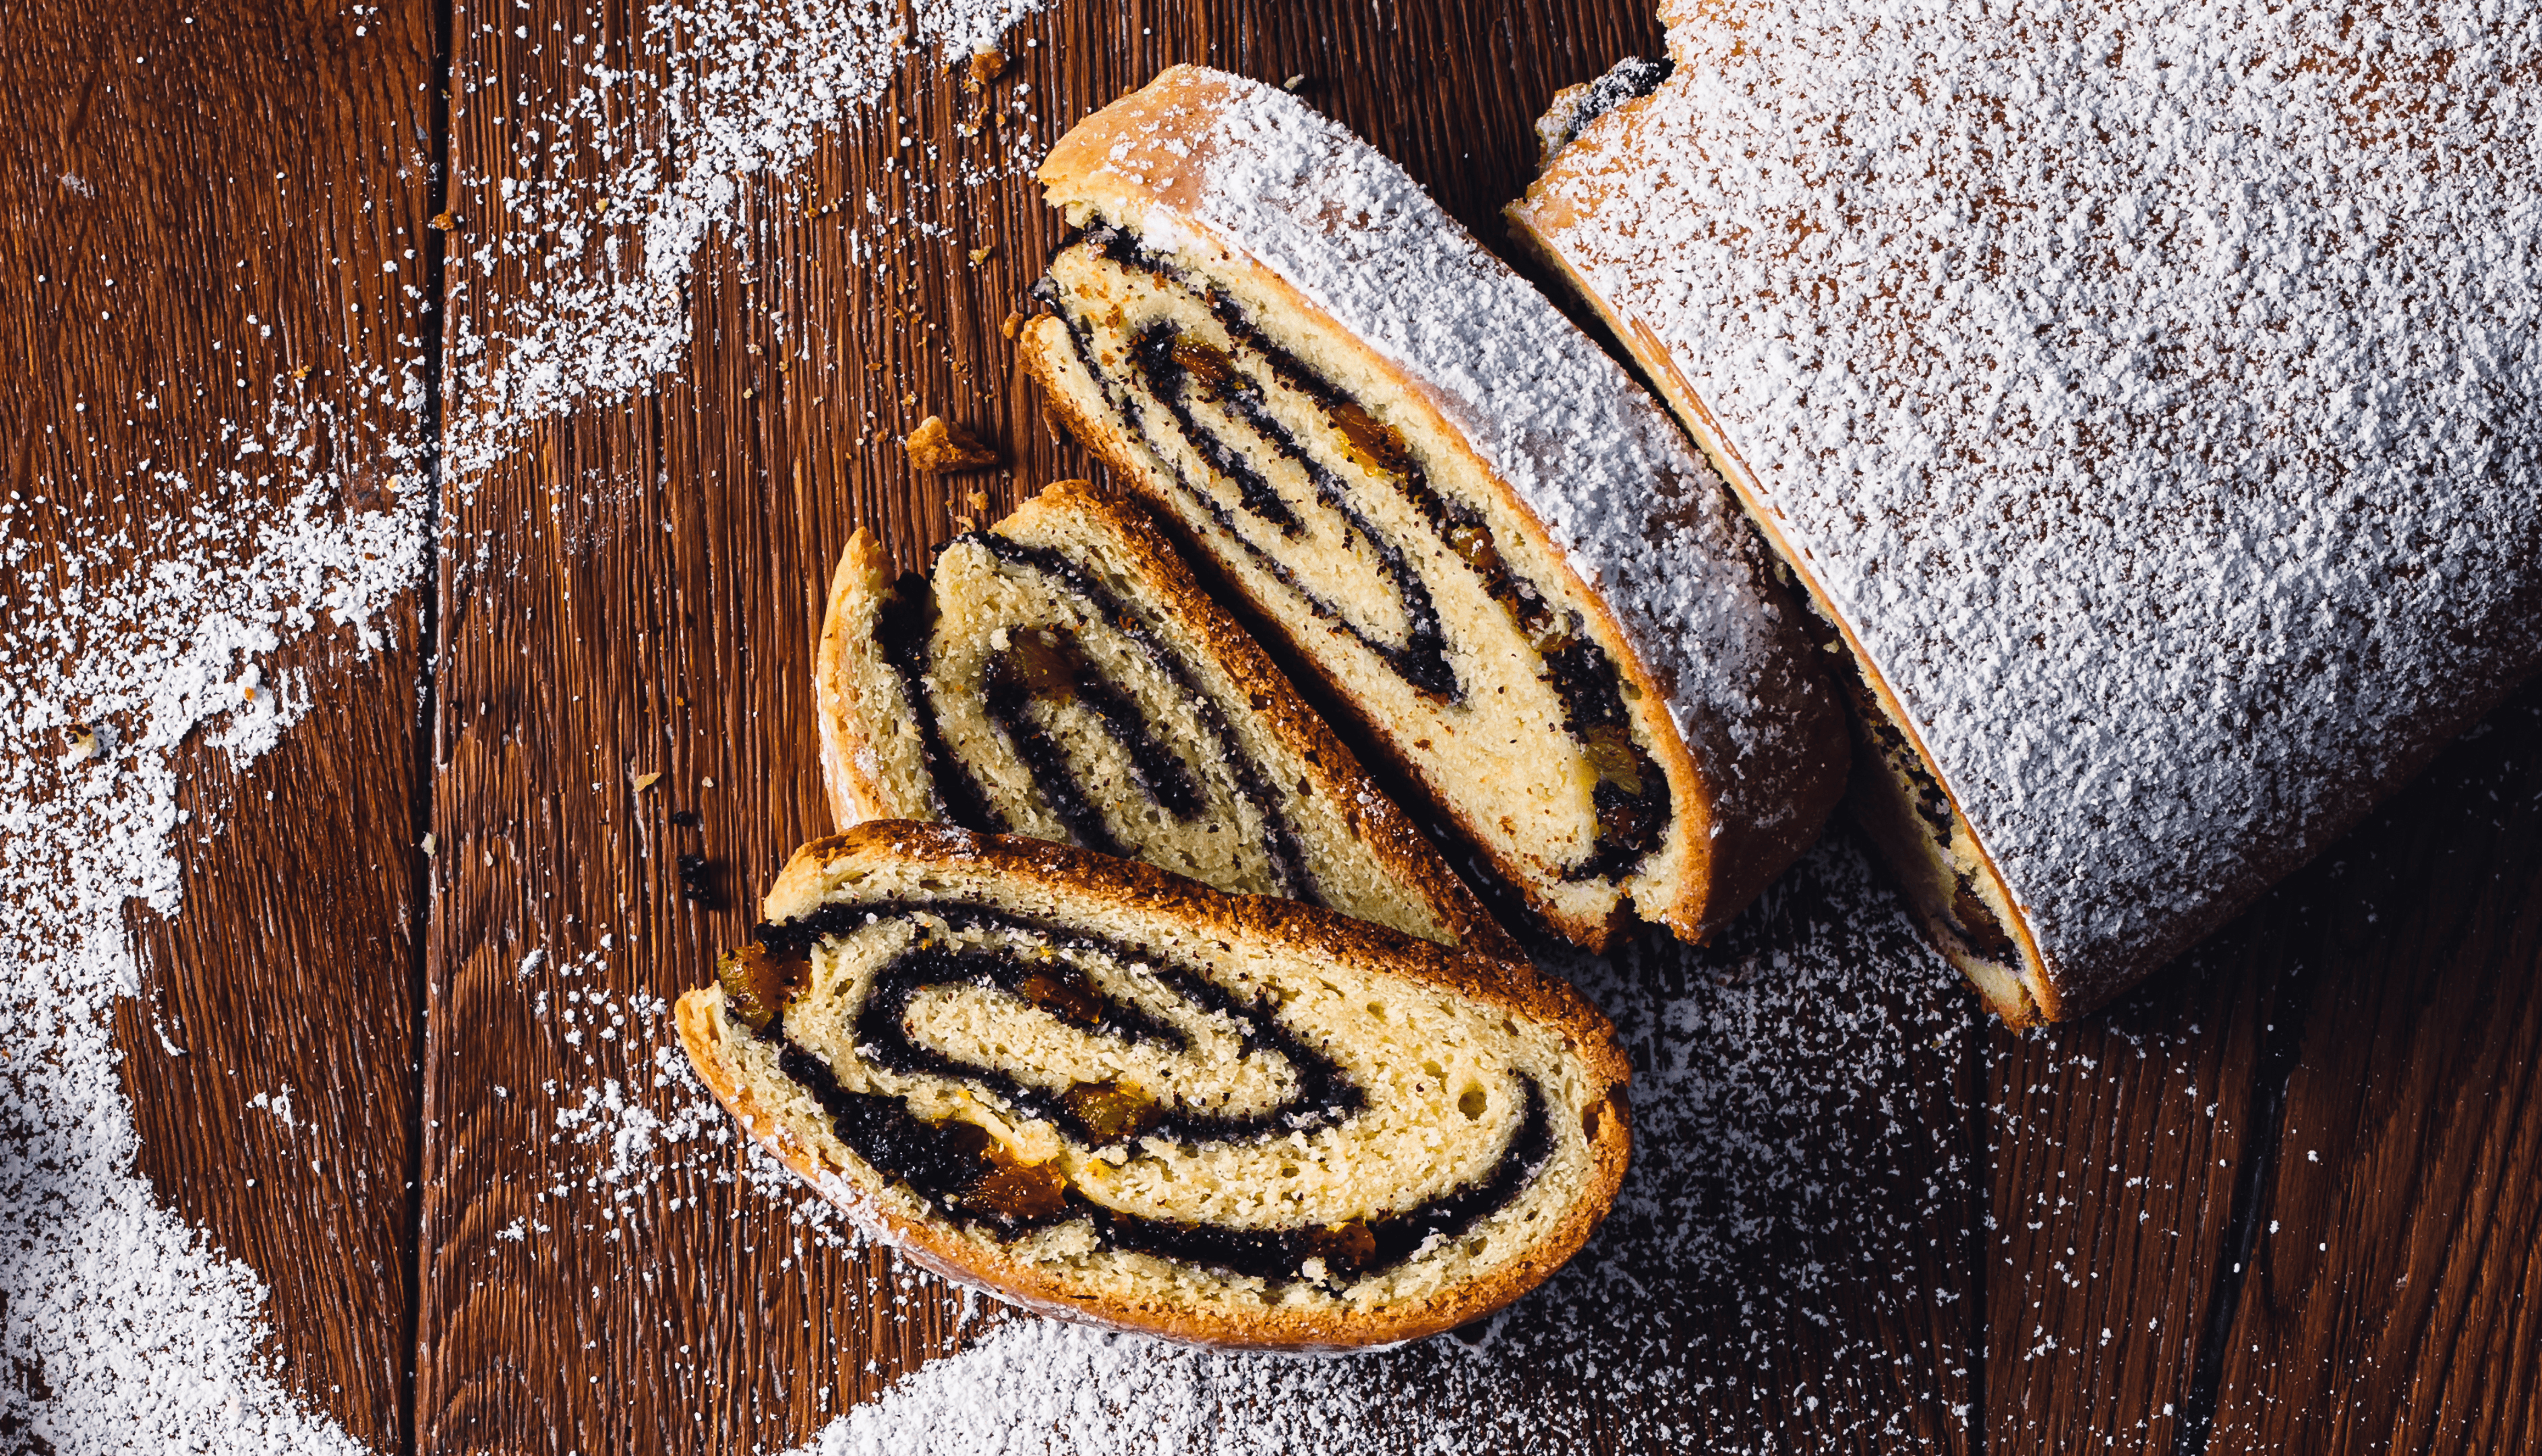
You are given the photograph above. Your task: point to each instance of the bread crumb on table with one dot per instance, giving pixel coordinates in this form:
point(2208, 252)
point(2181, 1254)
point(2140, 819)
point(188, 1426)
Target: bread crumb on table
point(941, 449)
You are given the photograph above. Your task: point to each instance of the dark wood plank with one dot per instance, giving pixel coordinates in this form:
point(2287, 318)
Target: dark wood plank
point(634, 587)
point(2393, 1298)
point(2287, 1196)
point(2116, 1145)
point(238, 174)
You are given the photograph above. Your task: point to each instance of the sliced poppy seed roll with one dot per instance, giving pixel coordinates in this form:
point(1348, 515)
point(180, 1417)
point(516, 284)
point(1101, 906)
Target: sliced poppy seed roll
point(1116, 1095)
point(1063, 677)
point(1526, 586)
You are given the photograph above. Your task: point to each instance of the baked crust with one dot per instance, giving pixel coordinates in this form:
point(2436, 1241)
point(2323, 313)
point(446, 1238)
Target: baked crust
point(850, 768)
point(1122, 886)
point(1749, 799)
point(1336, 776)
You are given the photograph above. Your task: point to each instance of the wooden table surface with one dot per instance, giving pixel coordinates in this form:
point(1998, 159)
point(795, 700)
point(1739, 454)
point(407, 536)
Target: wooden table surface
point(2286, 1197)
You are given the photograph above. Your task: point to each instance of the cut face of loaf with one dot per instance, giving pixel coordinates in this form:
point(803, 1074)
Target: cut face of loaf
point(1393, 575)
point(1112, 1094)
point(1953, 891)
point(1062, 677)
point(1516, 575)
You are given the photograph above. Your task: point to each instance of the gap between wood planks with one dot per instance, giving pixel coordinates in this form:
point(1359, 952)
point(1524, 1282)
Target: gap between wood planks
point(2254, 1186)
point(436, 311)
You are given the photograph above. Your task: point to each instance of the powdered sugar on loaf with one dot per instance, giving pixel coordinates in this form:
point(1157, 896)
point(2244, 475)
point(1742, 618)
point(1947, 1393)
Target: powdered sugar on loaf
point(2152, 392)
point(1555, 417)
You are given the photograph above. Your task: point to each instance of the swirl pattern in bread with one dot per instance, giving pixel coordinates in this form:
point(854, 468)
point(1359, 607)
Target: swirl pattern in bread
point(1062, 676)
point(1114, 1094)
point(1516, 574)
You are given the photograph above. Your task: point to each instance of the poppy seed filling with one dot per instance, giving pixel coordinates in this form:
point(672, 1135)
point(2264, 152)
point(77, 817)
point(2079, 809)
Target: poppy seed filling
point(1276, 1090)
point(1205, 409)
point(1031, 674)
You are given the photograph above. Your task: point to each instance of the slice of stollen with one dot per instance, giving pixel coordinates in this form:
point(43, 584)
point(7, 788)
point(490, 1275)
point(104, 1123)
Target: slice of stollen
point(1526, 586)
point(1116, 1095)
point(1061, 676)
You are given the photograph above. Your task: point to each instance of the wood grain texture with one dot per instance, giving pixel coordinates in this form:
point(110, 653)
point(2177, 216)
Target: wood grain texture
point(2116, 1146)
point(2393, 1300)
point(238, 174)
point(2287, 1196)
point(635, 588)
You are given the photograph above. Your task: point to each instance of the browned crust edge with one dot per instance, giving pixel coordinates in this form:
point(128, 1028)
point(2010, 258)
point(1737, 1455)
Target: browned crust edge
point(1728, 861)
point(1125, 885)
point(2043, 1001)
point(838, 711)
point(1399, 848)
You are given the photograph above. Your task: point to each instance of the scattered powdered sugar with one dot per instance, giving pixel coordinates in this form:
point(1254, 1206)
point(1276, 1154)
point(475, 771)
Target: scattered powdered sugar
point(278, 1103)
point(119, 1326)
point(712, 98)
point(1801, 1185)
point(605, 1114)
point(639, 1132)
point(2152, 390)
point(122, 1327)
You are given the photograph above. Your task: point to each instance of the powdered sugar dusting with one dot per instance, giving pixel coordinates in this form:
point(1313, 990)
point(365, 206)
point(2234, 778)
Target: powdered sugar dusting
point(144, 1335)
point(636, 1131)
point(2154, 391)
point(711, 100)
